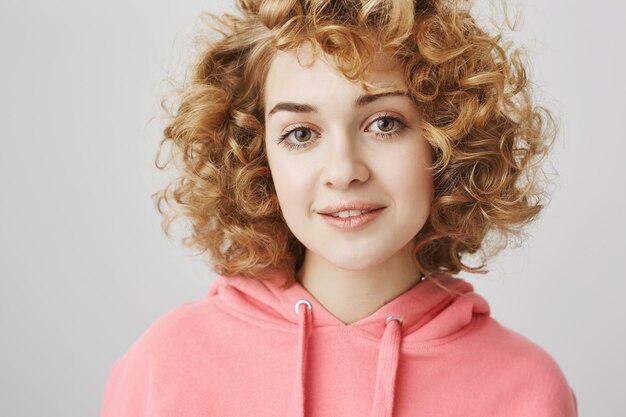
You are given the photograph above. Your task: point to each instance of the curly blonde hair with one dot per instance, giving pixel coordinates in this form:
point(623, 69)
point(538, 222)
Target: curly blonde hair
point(488, 137)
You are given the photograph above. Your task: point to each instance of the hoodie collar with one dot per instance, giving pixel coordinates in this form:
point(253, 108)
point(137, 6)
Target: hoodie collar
point(420, 315)
point(425, 308)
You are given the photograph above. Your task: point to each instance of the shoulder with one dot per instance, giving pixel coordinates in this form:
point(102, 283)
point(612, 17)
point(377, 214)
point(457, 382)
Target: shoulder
point(526, 354)
point(175, 327)
point(522, 368)
point(152, 359)
point(175, 333)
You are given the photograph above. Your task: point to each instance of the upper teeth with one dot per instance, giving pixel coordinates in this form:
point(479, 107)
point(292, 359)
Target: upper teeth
point(349, 213)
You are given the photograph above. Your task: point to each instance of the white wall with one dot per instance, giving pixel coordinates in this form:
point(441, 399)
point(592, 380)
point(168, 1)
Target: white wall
point(84, 268)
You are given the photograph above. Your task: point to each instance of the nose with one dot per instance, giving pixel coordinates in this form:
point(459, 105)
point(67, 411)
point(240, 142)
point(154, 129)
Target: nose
point(344, 162)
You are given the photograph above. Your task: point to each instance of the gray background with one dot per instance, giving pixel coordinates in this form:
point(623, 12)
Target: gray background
point(85, 268)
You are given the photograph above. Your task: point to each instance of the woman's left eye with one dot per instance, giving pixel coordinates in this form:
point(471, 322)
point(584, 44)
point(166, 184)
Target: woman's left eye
point(386, 125)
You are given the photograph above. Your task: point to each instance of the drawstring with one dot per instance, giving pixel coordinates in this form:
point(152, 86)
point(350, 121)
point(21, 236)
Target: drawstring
point(304, 328)
point(387, 367)
point(388, 356)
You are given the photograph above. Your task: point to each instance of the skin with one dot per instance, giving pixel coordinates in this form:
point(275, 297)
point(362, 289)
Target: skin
point(350, 273)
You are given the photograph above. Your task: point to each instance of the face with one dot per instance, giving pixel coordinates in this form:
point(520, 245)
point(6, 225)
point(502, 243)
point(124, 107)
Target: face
point(328, 142)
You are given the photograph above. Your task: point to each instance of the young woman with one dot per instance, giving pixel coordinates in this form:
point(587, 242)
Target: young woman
point(339, 159)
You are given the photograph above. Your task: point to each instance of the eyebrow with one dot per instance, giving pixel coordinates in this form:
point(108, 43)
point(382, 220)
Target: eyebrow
point(362, 100)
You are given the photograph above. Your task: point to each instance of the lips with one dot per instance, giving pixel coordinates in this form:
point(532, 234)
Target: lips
point(352, 223)
point(350, 205)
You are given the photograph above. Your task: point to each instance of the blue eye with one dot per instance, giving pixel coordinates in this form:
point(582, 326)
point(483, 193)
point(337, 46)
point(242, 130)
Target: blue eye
point(301, 136)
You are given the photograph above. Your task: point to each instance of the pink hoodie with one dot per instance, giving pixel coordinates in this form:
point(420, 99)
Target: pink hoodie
point(250, 349)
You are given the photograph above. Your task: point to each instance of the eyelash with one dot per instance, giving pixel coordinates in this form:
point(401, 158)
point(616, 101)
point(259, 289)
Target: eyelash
point(291, 146)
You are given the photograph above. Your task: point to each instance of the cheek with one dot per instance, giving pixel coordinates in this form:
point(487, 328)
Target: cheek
point(290, 181)
point(412, 177)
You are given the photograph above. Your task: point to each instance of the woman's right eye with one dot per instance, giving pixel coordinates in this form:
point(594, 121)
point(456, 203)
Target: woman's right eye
point(296, 138)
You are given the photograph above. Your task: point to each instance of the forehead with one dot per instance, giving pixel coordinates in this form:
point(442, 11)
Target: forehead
point(305, 71)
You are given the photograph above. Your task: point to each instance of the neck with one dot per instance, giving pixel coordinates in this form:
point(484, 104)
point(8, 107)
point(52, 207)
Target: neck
point(351, 295)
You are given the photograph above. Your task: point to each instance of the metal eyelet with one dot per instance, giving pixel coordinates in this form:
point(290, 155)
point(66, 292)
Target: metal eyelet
point(303, 302)
point(398, 318)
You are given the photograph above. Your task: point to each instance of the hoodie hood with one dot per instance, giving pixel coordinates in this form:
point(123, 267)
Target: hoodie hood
point(424, 315)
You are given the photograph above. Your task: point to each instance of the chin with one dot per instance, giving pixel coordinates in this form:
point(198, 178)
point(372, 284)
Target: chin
point(355, 263)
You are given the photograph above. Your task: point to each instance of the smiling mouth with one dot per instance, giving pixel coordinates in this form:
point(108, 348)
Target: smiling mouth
point(350, 213)
point(353, 222)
